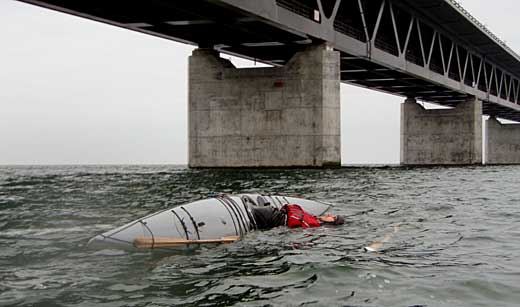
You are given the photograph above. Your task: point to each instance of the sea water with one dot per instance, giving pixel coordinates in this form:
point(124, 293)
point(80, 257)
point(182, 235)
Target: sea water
point(453, 238)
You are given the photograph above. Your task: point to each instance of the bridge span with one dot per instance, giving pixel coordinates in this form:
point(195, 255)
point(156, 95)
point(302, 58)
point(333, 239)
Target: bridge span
point(288, 114)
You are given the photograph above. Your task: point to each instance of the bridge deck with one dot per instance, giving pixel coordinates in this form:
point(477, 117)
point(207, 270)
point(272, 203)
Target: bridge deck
point(428, 49)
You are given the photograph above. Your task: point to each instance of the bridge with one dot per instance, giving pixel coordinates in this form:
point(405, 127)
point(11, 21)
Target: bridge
point(288, 114)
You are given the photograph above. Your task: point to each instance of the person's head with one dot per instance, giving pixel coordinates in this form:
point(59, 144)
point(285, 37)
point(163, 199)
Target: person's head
point(332, 219)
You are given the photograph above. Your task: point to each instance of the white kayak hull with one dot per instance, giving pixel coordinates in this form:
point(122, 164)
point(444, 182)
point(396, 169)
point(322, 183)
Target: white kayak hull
point(205, 219)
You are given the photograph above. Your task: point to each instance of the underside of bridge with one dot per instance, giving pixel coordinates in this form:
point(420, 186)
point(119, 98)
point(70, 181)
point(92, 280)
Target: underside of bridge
point(228, 29)
point(429, 50)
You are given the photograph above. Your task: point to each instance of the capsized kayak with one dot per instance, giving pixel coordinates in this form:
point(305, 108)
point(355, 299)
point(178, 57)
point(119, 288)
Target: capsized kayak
point(221, 219)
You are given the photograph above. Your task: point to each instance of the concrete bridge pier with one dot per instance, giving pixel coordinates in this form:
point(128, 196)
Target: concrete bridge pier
point(265, 117)
point(441, 136)
point(502, 142)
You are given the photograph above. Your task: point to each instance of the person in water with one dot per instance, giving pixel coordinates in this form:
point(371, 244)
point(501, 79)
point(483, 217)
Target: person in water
point(292, 216)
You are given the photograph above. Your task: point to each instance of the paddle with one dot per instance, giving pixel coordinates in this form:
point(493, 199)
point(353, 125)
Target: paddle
point(375, 246)
point(144, 242)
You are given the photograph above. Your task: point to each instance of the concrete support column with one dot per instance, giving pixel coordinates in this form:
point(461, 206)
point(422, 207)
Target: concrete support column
point(502, 142)
point(441, 136)
point(265, 117)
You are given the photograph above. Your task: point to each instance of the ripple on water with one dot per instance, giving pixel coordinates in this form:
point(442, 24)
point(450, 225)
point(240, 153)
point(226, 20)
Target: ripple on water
point(457, 243)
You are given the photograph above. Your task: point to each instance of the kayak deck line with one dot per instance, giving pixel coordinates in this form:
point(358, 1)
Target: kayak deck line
point(225, 204)
point(182, 224)
point(192, 221)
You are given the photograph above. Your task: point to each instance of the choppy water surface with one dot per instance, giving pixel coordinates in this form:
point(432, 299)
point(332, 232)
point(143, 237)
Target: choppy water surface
point(458, 243)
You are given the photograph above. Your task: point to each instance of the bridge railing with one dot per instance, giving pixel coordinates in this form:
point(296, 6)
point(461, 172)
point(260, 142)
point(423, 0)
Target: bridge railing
point(302, 8)
point(349, 30)
point(483, 27)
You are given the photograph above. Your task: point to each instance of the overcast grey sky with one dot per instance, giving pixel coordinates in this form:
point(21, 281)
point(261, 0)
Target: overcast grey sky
point(73, 91)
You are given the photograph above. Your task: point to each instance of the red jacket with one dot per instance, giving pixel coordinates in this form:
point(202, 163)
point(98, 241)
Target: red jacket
point(297, 217)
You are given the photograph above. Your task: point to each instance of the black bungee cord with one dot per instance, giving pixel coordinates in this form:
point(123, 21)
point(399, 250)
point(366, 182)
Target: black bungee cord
point(240, 220)
point(182, 223)
point(230, 214)
point(252, 221)
point(193, 222)
point(237, 217)
point(242, 215)
point(150, 231)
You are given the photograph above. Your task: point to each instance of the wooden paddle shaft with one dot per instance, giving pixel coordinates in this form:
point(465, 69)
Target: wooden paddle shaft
point(147, 242)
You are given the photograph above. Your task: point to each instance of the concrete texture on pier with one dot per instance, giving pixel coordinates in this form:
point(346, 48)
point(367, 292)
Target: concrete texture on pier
point(265, 117)
point(442, 136)
point(502, 142)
